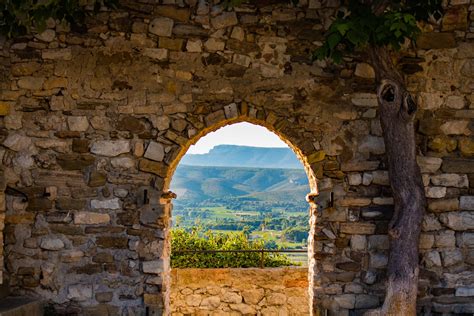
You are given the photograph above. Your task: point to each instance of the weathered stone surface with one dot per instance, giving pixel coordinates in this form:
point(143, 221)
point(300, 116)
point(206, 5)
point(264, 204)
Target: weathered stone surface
point(157, 168)
point(91, 218)
point(429, 164)
point(123, 162)
point(253, 297)
point(155, 151)
point(445, 205)
point(161, 26)
point(153, 267)
point(231, 297)
point(458, 165)
point(172, 12)
point(357, 228)
point(445, 239)
point(451, 257)
point(112, 242)
point(458, 221)
point(450, 180)
point(364, 70)
point(372, 144)
point(436, 40)
point(17, 142)
point(432, 259)
point(52, 243)
point(110, 148)
point(156, 53)
point(223, 20)
point(61, 54)
point(366, 301)
point(111, 204)
point(79, 292)
point(435, 192)
point(358, 242)
point(466, 203)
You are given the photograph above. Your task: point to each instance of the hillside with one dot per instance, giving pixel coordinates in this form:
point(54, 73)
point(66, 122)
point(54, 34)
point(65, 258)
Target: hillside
point(266, 203)
point(245, 156)
point(199, 183)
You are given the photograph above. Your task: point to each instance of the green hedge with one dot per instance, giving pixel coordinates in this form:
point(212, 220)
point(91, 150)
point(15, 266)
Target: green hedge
point(198, 240)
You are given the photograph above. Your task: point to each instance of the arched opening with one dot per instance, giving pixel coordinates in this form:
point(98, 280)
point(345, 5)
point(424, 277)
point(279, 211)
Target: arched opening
point(219, 216)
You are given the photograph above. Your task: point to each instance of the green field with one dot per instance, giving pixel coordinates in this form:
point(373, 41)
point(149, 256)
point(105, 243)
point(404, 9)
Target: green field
point(265, 204)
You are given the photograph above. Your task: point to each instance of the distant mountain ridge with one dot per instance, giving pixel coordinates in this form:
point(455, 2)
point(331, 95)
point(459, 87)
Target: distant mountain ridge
point(198, 183)
point(245, 156)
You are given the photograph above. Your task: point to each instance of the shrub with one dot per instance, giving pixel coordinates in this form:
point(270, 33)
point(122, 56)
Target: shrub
point(196, 239)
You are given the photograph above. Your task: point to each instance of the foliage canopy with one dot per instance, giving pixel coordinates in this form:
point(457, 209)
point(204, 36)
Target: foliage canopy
point(383, 23)
point(196, 239)
point(19, 17)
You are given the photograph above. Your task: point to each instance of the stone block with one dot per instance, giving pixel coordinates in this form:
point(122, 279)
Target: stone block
point(17, 142)
point(366, 301)
point(156, 53)
point(466, 240)
point(155, 151)
point(345, 301)
point(426, 241)
point(173, 12)
point(122, 163)
point(436, 40)
point(379, 242)
point(110, 204)
point(213, 45)
point(31, 83)
point(79, 292)
point(450, 180)
point(357, 228)
point(465, 291)
point(243, 309)
point(254, 296)
point(435, 192)
point(110, 148)
point(223, 20)
point(443, 205)
point(445, 239)
point(451, 257)
point(174, 44)
point(358, 242)
point(364, 70)
point(458, 165)
point(432, 259)
point(378, 260)
point(4, 108)
point(158, 168)
point(466, 203)
point(429, 164)
point(91, 218)
point(57, 54)
point(153, 267)
point(459, 221)
point(51, 243)
point(161, 26)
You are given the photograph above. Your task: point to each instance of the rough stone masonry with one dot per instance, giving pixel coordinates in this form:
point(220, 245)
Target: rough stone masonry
point(95, 120)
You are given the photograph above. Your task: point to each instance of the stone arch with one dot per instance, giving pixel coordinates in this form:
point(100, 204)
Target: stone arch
point(302, 155)
point(292, 143)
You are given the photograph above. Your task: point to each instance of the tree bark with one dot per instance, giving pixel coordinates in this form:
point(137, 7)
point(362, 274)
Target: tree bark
point(397, 110)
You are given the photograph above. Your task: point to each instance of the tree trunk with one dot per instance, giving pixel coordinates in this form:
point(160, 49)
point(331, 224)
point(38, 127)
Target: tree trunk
point(397, 110)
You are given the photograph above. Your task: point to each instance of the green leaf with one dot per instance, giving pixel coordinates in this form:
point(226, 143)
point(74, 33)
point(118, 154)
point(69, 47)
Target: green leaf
point(333, 40)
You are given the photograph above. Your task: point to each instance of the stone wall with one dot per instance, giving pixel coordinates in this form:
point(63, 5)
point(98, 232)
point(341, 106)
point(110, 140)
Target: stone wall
point(272, 291)
point(95, 119)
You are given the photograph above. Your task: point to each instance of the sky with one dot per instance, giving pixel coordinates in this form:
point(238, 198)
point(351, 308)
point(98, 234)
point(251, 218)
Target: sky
point(245, 134)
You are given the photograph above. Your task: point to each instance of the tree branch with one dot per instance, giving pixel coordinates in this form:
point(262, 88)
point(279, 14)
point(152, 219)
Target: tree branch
point(379, 7)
